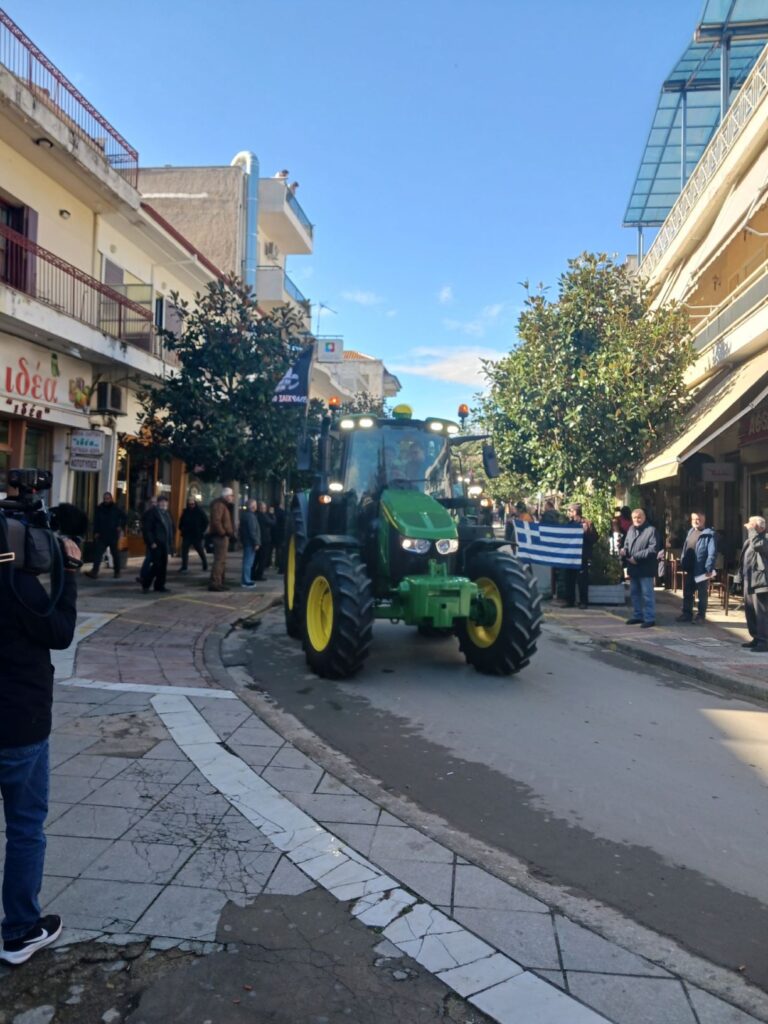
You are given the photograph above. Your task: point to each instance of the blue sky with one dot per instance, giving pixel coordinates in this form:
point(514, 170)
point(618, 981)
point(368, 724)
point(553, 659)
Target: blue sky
point(446, 150)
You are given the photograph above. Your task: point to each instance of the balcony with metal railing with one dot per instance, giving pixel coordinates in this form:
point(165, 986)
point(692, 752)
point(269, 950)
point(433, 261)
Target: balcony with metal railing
point(274, 288)
point(282, 219)
point(52, 89)
point(43, 276)
point(743, 113)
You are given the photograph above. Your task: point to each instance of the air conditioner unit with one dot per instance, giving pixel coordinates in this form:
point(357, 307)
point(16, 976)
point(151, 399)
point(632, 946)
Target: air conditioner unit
point(109, 399)
point(271, 250)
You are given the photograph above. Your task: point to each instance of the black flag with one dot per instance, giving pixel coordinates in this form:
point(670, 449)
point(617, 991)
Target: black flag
point(293, 389)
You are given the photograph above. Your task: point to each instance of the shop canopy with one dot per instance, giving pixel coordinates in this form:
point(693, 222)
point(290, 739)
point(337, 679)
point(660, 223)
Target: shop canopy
point(710, 417)
point(694, 97)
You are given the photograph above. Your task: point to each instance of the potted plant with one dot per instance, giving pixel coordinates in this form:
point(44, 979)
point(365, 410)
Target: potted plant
point(606, 578)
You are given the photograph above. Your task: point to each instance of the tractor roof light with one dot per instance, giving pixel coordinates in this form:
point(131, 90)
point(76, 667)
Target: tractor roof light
point(366, 422)
point(451, 428)
point(324, 499)
point(402, 412)
point(336, 487)
point(334, 403)
point(475, 491)
point(486, 502)
point(347, 424)
point(435, 425)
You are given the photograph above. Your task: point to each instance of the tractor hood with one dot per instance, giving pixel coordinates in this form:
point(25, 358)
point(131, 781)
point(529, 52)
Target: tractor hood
point(416, 515)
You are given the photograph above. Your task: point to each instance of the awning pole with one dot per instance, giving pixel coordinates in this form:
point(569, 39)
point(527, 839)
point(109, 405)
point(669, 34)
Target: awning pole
point(640, 244)
point(725, 76)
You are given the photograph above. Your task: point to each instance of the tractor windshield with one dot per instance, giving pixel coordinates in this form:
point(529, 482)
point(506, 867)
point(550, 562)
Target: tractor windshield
point(398, 456)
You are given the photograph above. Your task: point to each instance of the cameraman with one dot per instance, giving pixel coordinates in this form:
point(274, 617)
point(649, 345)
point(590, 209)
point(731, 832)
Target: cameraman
point(26, 698)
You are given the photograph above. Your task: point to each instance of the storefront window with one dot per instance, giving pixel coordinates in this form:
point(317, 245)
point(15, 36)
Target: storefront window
point(37, 448)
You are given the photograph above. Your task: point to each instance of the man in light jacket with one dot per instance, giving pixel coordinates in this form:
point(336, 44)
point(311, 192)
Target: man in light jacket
point(639, 554)
point(697, 560)
point(250, 538)
point(753, 576)
point(221, 529)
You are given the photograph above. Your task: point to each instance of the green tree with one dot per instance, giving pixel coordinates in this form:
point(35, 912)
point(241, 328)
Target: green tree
point(216, 412)
point(596, 383)
point(364, 401)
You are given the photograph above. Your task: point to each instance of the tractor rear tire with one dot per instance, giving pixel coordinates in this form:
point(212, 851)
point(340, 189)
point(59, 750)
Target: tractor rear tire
point(508, 644)
point(337, 613)
point(292, 588)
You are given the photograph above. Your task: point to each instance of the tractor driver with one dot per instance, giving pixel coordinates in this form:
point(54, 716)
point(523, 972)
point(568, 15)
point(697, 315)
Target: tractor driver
point(409, 461)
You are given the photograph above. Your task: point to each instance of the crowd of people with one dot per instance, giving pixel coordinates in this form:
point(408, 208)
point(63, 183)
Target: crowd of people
point(260, 531)
point(637, 543)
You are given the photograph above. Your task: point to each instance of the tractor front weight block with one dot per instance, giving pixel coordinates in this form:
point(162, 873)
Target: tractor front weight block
point(435, 599)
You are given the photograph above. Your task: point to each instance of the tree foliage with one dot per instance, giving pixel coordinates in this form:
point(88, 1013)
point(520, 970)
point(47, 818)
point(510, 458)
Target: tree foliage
point(364, 401)
point(216, 412)
point(596, 383)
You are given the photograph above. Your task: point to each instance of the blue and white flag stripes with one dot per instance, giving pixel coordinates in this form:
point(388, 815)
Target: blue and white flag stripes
point(556, 544)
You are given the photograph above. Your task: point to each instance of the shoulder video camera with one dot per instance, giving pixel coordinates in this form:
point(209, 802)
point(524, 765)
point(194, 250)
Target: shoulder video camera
point(31, 533)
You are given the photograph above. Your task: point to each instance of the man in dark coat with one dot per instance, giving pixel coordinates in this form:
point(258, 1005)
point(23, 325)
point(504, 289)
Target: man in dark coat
point(157, 528)
point(108, 527)
point(192, 525)
point(266, 526)
point(580, 577)
point(753, 577)
point(250, 538)
point(27, 635)
point(697, 560)
point(640, 555)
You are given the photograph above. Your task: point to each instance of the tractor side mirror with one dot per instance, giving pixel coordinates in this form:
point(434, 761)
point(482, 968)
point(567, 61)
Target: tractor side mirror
point(490, 462)
point(304, 454)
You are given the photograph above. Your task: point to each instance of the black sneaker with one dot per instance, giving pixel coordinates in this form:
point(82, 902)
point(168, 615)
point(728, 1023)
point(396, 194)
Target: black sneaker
point(46, 931)
point(684, 618)
point(700, 619)
point(752, 644)
point(634, 621)
point(648, 625)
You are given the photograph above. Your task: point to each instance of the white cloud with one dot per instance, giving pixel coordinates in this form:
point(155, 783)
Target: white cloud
point(459, 365)
point(477, 326)
point(445, 295)
point(474, 328)
point(391, 313)
point(362, 298)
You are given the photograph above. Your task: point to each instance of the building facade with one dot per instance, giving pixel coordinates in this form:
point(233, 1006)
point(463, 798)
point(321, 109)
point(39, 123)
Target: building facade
point(86, 273)
point(711, 254)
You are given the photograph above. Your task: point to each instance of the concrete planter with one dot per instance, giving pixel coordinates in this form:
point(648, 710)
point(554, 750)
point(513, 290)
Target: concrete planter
point(610, 593)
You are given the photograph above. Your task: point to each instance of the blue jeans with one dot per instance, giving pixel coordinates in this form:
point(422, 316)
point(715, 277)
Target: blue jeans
point(24, 786)
point(249, 557)
point(643, 598)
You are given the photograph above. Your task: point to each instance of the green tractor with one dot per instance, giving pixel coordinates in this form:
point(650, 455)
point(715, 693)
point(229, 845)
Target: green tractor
point(387, 531)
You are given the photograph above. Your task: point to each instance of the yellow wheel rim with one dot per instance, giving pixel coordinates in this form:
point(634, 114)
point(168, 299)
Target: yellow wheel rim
point(485, 636)
point(320, 613)
point(290, 574)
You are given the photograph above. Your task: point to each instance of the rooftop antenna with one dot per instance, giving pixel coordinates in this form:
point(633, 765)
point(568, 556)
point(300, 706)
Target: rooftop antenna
point(320, 307)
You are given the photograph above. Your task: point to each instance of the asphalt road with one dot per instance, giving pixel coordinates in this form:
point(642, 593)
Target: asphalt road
point(606, 776)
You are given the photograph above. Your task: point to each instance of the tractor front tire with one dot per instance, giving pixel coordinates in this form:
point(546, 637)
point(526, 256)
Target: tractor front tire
point(337, 613)
point(506, 645)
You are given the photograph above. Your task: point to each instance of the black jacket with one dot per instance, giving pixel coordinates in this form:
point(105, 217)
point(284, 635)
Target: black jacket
point(642, 544)
point(249, 529)
point(26, 640)
point(193, 523)
point(157, 528)
point(753, 564)
point(109, 518)
point(266, 526)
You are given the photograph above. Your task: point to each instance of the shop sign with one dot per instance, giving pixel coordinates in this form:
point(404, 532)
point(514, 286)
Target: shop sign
point(754, 426)
point(85, 463)
point(719, 472)
point(35, 381)
point(87, 442)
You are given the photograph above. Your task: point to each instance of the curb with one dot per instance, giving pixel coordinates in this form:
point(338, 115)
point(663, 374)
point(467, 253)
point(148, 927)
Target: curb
point(745, 688)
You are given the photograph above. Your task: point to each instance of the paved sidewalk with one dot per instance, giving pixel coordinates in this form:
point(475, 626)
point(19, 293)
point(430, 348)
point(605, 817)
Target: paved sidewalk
point(207, 869)
point(711, 653)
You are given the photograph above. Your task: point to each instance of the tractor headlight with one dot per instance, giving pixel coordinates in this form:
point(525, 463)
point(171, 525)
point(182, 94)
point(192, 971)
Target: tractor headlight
point(347, 424)
point(418, 547)
point(447, 547)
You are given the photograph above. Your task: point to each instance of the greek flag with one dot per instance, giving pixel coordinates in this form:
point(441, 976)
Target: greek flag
point(553, 544)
